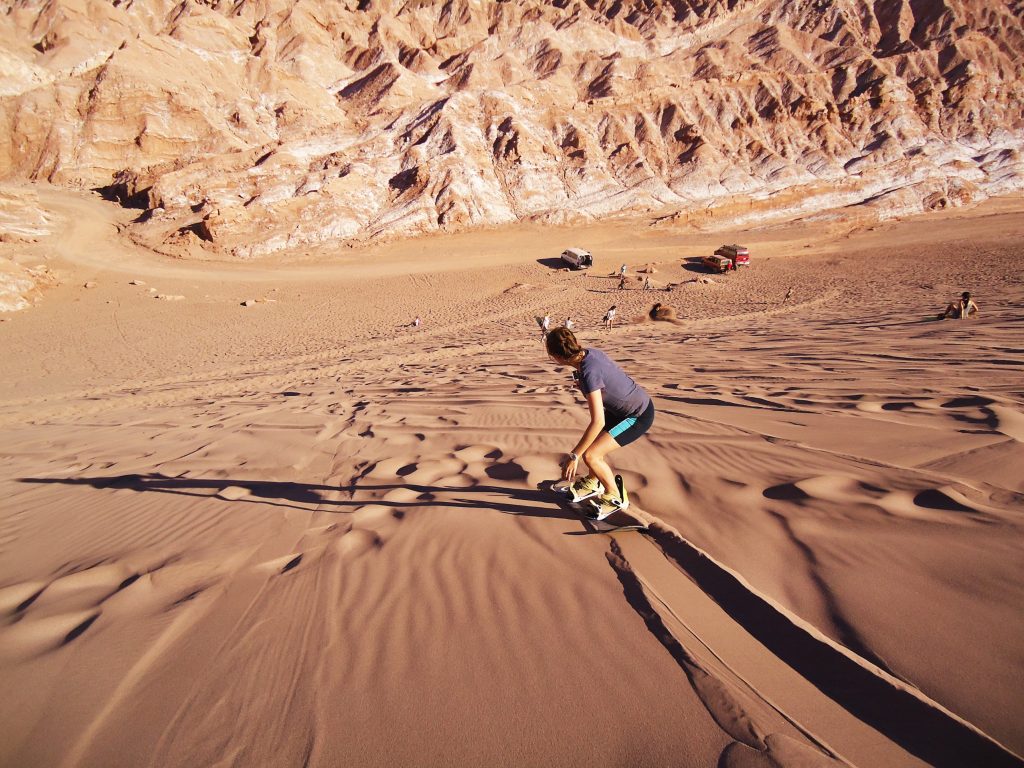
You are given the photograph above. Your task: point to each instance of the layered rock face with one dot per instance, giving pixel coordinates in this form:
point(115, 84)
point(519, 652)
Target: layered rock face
point(249, 127)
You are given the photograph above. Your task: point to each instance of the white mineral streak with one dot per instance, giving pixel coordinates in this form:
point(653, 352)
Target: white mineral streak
point(257, 127)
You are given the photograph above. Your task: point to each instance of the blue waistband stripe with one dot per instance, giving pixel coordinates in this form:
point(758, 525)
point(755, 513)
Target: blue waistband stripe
point(622, 426)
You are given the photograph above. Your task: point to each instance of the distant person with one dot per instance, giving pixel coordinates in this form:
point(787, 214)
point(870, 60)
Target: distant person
point(620, 412)
point(647, 283)
point(569, 324)
point(609, 317)
point(416, 322)
point(622, 270)
point(622, 283)
point(961, 309)
point(545, 324)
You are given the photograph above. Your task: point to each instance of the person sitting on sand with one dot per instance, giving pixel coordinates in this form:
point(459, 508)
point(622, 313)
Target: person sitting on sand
point(963, 308)
point(620, 412)
point(416, 322)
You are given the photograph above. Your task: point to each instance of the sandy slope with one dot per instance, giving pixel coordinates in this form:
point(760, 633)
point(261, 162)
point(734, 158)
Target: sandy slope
point(303, 533)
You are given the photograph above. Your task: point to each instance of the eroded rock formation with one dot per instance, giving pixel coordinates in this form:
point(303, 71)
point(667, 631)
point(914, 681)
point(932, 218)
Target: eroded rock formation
point(246, 127)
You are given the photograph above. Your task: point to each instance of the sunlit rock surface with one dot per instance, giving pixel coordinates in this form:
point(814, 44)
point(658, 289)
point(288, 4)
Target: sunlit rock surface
point(249, 127)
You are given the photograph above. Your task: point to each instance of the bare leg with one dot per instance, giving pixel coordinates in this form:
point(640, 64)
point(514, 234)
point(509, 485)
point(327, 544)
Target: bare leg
point(594, 456)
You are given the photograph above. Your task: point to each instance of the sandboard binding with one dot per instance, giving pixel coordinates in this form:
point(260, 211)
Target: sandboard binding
point(629, 522)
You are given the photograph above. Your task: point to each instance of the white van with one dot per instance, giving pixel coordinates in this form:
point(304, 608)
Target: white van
point(577, 258)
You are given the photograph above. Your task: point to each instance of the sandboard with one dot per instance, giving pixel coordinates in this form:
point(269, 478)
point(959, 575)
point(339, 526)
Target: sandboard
point(623, 520)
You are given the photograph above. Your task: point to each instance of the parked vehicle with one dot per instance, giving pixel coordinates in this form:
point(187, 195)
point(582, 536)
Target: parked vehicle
point(577, 258)
point(718, 263)
point(739, 255)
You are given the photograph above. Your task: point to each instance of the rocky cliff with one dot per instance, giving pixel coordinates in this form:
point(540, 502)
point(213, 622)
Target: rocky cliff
point(245, 127)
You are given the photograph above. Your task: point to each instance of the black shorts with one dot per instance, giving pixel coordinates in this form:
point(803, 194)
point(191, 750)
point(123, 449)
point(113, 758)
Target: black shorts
point(626, 429)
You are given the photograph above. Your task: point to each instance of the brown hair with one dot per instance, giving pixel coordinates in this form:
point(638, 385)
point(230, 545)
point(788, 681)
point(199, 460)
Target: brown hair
point(562, 344)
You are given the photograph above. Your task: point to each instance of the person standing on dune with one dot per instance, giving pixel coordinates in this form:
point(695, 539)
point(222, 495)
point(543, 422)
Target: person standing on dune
point(620, 412)
point(609, 317)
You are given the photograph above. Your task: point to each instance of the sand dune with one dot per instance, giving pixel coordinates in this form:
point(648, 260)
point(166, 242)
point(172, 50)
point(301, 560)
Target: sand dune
point(304, 533)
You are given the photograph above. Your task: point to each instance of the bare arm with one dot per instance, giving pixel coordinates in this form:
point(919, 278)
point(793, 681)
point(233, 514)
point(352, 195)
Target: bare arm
point(596, 405)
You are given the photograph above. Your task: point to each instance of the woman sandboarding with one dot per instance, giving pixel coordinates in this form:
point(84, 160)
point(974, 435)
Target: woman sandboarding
point(620, 412)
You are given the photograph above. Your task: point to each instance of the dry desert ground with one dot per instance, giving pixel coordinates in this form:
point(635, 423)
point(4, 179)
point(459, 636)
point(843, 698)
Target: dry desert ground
point(303, 532)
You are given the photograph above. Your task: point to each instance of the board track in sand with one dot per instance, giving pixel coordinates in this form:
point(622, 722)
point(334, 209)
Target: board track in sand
point(339, 555)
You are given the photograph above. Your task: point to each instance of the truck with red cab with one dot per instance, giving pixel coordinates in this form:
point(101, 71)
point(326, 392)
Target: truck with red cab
point(739, 255)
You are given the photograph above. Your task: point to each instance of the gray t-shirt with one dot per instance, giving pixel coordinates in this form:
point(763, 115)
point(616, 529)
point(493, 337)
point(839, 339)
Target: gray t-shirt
point(619, 392)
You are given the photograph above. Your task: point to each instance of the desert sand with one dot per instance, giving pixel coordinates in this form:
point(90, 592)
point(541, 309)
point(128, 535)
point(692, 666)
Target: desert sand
point(302, 532)
point(252, 516)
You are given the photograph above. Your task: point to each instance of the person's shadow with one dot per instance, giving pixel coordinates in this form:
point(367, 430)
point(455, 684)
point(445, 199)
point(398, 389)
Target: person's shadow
point(310, 497)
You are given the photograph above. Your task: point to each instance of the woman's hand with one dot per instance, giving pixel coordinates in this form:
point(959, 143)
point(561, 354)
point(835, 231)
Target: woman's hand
point(569, 467)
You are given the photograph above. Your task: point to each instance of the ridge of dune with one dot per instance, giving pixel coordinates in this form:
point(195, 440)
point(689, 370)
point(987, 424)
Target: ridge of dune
point(898, 710)
point(240, 533)
point(246, 129)
point(277, 447)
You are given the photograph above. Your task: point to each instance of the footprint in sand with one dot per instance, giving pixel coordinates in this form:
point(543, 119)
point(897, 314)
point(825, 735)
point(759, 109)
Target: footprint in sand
point(402, 496)
point(465, 479)
point(83, 590)
point(474, 453)
point(933, 504)
point(17, 597)
point(508, 471)
point(357, 542)
point(233, 493)
point(282, 564)
point(427, 472)
point(33, 637)
point(44, 616)
point(388, 468)
point(377, 518)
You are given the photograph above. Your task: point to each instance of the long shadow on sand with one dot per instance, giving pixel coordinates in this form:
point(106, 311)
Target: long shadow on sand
point(925, 731)
point(928, 732)
point(310, 497)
